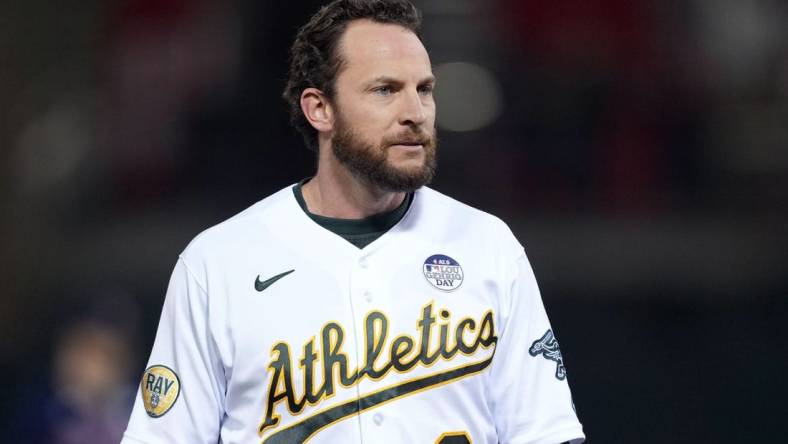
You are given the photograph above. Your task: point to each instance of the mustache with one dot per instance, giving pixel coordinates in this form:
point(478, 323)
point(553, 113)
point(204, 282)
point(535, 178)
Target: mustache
point(410, 138)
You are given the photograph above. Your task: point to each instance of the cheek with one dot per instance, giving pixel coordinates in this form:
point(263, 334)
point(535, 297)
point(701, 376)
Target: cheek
point(372, 123)
point(430, 111)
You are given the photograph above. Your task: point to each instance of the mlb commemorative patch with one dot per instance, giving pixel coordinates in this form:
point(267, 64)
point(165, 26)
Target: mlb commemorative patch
point(160, 388)
point(443, 272)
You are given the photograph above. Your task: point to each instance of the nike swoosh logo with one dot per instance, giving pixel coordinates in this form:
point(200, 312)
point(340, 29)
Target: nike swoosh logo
point(262, 285)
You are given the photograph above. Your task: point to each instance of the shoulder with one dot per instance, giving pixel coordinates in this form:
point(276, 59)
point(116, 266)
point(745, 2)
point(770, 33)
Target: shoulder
point(437, 201)
point(229, 237)
point(447, 216)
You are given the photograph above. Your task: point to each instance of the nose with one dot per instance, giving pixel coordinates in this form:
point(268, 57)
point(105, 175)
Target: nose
point(414, 110)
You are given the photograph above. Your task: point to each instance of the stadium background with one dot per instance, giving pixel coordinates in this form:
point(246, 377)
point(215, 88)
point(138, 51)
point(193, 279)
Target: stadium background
point(639, 150)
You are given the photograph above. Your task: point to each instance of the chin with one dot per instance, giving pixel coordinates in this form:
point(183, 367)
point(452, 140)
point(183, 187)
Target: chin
point(410, 159)
point(410, 167)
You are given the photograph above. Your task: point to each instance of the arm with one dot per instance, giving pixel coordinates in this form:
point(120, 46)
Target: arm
point(531, 401)
point(181, 393)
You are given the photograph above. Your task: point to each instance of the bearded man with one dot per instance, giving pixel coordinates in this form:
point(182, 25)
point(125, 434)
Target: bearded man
point(357, 306)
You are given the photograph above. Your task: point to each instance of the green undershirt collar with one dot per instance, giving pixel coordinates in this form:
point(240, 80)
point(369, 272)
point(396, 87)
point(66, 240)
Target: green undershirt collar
point(359, 232)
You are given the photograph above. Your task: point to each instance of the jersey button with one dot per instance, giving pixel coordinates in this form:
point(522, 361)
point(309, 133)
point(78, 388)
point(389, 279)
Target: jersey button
point(363, 263)
point(368, 296)
point(378, 418)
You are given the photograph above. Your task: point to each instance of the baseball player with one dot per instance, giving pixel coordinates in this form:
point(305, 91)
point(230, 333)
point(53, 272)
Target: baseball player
point(357, 306)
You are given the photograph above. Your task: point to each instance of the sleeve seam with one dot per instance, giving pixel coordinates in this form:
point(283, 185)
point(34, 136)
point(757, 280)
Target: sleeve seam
point(520, 252)
point(192, 274)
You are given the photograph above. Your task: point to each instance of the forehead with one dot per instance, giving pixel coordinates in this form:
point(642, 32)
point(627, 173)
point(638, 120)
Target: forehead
point(375, 49)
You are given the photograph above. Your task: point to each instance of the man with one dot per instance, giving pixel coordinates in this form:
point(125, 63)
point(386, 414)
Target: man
point(357, 306)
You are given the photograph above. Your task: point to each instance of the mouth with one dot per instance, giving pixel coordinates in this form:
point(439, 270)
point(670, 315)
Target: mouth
point(409, 144)
point(408, 147)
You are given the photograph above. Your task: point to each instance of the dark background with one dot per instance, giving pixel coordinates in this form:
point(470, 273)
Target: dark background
point(638, 149)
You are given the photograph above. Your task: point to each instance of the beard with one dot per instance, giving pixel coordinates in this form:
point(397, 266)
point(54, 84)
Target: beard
point(370, 164)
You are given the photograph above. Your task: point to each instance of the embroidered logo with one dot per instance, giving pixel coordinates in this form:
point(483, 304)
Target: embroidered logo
point(547, 346)
point(262, 285)
point(297, 383)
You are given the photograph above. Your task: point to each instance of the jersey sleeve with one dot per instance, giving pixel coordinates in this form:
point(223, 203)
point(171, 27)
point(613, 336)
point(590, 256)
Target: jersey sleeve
point(531, 401)
point(180, 400)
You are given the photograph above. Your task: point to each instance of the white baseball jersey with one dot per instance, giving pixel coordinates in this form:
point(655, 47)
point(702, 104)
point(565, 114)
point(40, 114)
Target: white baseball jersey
point(276, 330)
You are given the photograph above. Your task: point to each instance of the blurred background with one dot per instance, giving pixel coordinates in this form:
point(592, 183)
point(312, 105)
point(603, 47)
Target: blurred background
point(638, 149)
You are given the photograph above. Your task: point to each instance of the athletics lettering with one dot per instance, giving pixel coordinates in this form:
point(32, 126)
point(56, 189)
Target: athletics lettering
point(402, 356)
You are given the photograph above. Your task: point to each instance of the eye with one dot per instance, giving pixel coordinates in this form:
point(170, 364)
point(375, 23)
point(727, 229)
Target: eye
point(384, 90)
point(426, 89)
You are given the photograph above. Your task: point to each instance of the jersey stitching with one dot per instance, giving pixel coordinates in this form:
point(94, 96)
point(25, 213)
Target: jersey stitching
point(389, 394)
point(192, 274)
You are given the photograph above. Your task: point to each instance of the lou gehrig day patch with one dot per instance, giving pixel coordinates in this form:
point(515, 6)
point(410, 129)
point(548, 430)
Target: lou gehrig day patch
point(160, 389)
point(443, 272)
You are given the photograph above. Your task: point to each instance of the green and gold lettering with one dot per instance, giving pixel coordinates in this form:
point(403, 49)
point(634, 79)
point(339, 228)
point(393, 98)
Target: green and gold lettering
point(402, 355)
point(280, 387)
point(376, 329)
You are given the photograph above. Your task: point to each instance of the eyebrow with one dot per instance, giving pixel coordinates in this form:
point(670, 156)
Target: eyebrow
point(386, 79)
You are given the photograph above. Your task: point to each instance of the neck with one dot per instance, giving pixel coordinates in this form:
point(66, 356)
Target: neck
point(334, 192)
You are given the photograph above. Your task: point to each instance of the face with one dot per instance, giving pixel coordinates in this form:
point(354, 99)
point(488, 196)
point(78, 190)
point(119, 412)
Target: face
point(384, 124)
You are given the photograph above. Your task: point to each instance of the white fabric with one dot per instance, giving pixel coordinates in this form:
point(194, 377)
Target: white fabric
point(218, 333)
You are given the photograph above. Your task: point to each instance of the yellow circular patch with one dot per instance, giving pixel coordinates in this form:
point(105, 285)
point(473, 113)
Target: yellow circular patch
point(160, 389)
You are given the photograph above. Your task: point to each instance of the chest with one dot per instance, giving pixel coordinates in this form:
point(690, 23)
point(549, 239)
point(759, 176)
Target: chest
point(315, 342)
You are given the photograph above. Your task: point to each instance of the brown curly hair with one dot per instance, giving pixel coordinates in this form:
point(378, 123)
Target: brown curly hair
point(314, 57)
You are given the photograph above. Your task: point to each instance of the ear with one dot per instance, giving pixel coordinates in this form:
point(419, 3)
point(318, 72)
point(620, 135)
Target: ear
point(317, 109)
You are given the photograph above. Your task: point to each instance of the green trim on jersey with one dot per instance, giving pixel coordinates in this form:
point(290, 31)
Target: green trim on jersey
point(359, 232)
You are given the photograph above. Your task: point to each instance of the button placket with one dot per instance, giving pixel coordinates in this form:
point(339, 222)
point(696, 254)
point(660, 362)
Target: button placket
point(362, 275)
point(362, 297)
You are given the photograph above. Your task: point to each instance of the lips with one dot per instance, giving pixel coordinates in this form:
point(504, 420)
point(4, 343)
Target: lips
point(410, 142)
point(409, 139)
